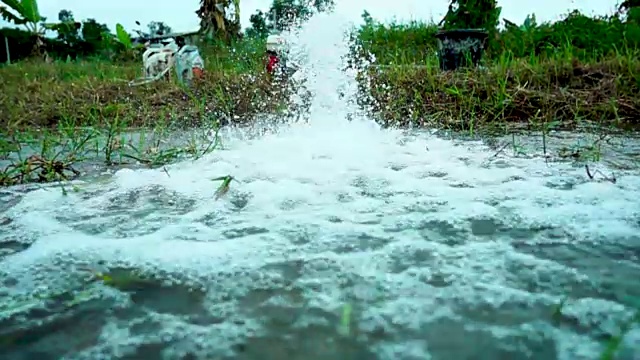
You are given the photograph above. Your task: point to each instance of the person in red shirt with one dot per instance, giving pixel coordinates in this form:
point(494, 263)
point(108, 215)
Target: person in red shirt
point(272, 61)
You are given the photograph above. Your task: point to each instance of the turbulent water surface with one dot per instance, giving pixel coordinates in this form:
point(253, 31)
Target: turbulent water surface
point(337, 240)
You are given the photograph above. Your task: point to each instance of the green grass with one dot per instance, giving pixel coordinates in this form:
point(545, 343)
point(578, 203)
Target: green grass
point(58, 154)
point(571, 74)
point(60, 115)
point(559, 90)
point(90, 92)
point(563, 75)
point(397, 43)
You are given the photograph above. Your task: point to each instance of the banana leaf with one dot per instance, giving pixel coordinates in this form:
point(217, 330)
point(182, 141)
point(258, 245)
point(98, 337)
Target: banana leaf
point(10, 16)
point(123, 36)
point(15, 5)
point(31, 12)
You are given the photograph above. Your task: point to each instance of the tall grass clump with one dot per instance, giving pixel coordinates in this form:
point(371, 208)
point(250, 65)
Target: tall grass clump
point(587, 38)
point(396, 43)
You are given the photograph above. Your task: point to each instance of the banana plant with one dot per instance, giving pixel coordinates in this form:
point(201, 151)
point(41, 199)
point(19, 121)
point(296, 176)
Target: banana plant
point(213, 19)
point(529, 23)
point(123, 36)
point(25, 12)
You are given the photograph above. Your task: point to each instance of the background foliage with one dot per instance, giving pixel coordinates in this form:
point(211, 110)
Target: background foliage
point(586, 37)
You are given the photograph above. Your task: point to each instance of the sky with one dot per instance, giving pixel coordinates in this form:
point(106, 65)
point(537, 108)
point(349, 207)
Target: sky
point(180, 14)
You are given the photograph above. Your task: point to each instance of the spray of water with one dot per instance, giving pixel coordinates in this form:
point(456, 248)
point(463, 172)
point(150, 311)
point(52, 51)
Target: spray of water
point(441, 248)
point(323, 65)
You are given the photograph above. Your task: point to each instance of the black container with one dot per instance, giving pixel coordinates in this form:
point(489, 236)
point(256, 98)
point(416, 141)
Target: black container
point(460, 47)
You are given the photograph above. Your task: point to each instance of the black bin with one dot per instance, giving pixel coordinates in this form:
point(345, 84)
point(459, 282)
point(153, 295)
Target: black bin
point(460, 47)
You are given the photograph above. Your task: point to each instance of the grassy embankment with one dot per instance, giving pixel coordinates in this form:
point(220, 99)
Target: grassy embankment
point(564, 75)
point(56, 115)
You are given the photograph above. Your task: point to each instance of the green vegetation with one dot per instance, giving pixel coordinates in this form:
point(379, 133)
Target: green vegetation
point(63, 113)
point(575, 71)
point(66, 101)
point(62, 94)
point(284, 14)
point(93, 92)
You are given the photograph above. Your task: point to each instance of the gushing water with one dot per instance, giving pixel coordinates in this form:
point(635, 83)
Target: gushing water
point(438, 249)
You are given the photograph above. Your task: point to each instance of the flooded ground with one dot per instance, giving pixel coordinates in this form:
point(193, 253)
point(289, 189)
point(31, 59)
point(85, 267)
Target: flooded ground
point(440, 248)
point(337, 240)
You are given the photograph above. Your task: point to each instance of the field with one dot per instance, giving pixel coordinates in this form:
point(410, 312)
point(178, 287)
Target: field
point(578, 73)
point(63, 113)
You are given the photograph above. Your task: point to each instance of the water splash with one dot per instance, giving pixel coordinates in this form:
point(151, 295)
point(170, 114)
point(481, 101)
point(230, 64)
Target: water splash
point(440, 248)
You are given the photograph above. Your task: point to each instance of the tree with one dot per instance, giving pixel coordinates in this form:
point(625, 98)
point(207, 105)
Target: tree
point(159, 28)
point(259, 26)
point(68, 29)
point(366, 17)
point(472, 14)
point(92, 31)
point(284, 14)
point(214, 20)
point(25, 12)
point(95, 35)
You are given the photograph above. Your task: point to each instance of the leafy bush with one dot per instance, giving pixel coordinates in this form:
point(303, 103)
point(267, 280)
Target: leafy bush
point(587, 38)
point(395, 43)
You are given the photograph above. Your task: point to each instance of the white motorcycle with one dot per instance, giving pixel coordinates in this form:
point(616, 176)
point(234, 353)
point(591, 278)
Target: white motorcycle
point(166, 52)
